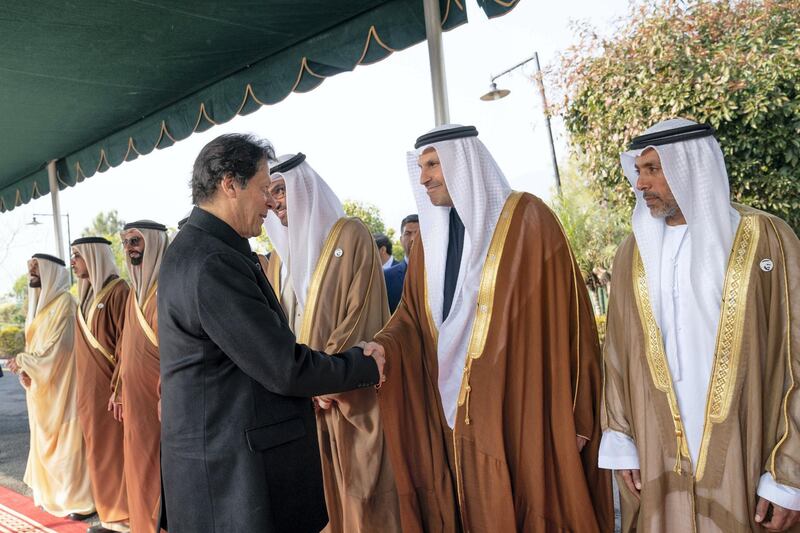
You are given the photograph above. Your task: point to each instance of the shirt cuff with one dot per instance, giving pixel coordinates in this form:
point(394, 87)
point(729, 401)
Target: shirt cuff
point(783, 495)
point(617, 452)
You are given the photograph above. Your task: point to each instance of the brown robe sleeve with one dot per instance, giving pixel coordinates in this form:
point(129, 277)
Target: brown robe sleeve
point(615, 413)
point(116, 377)
point(410, 406)
point(784, 325)
point(366, 295)
point(585, 370)
point(363, 309)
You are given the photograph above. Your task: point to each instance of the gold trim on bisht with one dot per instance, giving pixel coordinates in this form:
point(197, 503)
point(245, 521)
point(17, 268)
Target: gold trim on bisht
point(316, 280)
point(483, 312)
point(729, 333)
point(145, 325)
point(84, 323)
point(428, 312)
point(480, 326)
point(34, 326)
point(786, 424)
point(656, 358)
point(728, 344)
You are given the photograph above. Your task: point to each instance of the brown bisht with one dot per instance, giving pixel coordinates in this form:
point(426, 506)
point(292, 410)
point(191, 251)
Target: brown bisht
point(531, 383)
point(96, 336)
point(138, 388)
point(752, 411)
point(346, 304)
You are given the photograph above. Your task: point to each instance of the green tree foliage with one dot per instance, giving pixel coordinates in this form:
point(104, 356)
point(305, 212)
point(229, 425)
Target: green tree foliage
point(108, 225)
point(371, 216)
point(20, 289)
point(12, 341)
point(262, 243)
point(593, 228)
point(369, 213)
point(12, 314)
point(105, 224)
point(733, 64)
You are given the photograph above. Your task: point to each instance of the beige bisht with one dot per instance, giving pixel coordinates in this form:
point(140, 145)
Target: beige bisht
point(56, 470)
point(750, 428)
point(753, 409)
point(341, 301)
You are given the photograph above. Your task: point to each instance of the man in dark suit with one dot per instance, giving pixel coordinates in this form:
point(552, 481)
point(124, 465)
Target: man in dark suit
point(396, 274)
point(239, 441)
point(385, 250)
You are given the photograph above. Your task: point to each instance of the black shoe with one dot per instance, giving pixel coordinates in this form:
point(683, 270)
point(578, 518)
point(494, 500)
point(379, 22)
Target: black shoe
point(99, 529)
point(80, 517)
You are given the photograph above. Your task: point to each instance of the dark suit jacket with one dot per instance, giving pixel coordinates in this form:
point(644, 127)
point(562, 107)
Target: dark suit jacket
point(239, 440)
point(395, 276)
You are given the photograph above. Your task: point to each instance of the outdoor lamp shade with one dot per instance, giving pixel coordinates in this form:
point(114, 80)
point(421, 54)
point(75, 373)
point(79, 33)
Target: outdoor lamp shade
point(495, 94)
point(33, 222)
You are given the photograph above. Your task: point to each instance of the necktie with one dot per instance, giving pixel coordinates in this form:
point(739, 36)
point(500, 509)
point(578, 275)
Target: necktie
point(455, 247)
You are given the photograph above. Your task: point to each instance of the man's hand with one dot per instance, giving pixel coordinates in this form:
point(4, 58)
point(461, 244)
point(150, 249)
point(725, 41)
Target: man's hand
point(632, 481)
point(115, 408)
point(376, 351)
point(25, 379)
point(781, 519)
point(13, 366)
point(324, 402)
point(581, 443)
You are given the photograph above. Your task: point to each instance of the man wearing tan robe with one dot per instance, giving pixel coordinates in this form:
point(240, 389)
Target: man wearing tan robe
point(492, 393)
point(56, 470)
point(136, 391)
point(702, 350)
point(102, 297)
point(327, 273)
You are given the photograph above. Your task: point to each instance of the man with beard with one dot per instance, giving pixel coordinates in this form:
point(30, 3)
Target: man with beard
point(136, 390)
point(102, 296)
point(327, 273)
point(701, 358)
point(490, 405)
point(56, 470)
point(238, 434)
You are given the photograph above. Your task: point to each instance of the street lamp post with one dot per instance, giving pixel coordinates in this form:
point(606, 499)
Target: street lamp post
point(497, 94)
point(35, 222)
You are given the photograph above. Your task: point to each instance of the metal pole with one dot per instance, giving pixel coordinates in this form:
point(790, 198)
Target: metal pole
point(433, 31)
point(53, 179)
point(540, 83)
point(69, 254)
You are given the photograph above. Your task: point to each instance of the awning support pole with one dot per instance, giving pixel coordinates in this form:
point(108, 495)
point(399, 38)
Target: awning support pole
point(433, 31)
point(52, 177)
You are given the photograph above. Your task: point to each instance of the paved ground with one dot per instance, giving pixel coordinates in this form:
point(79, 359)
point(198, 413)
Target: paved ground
point(14, 436)
point(13, 433)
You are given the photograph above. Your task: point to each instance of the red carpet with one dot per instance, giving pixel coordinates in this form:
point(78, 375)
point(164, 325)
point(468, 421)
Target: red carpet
point(19, 515)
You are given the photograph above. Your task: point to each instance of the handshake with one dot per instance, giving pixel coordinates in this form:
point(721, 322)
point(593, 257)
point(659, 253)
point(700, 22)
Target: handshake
point(371, 349)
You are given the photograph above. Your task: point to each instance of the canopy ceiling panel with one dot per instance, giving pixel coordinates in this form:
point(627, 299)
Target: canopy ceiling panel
point(94, 83)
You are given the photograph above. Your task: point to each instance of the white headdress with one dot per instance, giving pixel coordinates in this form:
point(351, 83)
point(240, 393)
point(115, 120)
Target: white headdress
point(100, 264)
point(479, 191)
point(54, 281)
point(312, 209)
point(696, 175)
point(145, 275)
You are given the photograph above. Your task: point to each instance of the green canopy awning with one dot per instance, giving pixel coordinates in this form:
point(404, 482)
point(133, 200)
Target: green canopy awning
point(98, 82)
